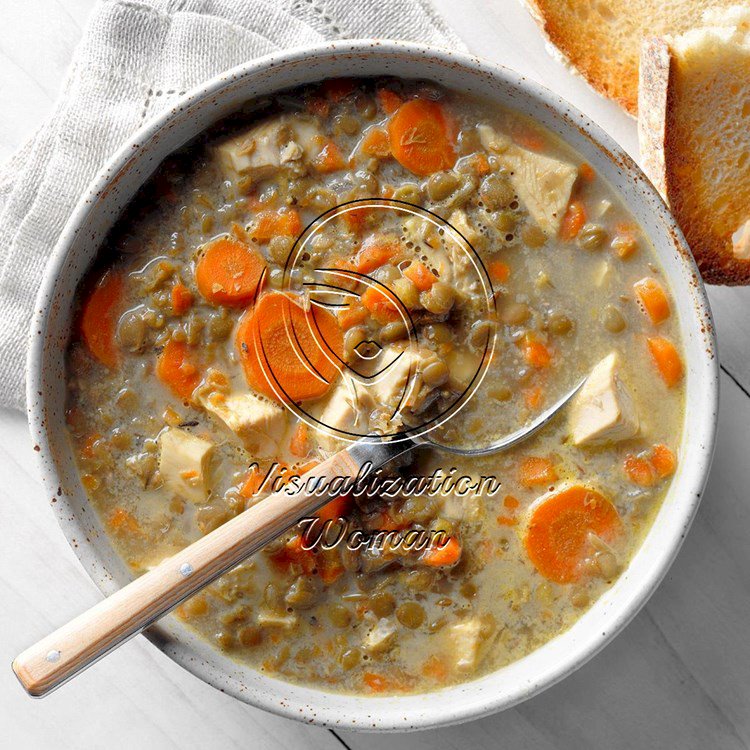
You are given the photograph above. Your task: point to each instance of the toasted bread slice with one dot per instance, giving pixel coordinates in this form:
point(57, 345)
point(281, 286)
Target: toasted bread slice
point(694, 132)
point(602, 38)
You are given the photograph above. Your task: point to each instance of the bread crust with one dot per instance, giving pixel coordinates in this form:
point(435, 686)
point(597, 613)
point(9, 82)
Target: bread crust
point(579, 55)
point(663, 157)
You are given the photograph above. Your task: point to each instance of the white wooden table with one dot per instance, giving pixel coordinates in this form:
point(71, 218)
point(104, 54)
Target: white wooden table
point(678, 677)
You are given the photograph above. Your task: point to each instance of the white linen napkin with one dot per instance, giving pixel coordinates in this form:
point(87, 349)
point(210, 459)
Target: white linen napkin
point(136, 57)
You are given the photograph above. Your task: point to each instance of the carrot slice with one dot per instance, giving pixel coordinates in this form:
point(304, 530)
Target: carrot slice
point(336, 89)
point(537, 470)
point(300, 444)
point(376, 251)
point(421, 138)
point(535, 352)
point(175, 369)
point(268, 224)
point(376, 143)
point(329, 159)
point(351, 316)
point(389, 101)
point(498, 271)
point(99, 317)
point(182, 299)
point(442, 557)
point(420, 276)
point(229, 272)
point(556, 538)
point(653, 299)
point(667, 360)
point(381, 304)
point(573, 221)
point(288, 353)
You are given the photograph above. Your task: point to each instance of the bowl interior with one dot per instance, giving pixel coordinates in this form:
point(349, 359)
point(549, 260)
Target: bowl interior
point(115, 187)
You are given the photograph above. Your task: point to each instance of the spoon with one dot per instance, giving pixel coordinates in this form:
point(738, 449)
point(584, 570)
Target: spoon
point(61, 655)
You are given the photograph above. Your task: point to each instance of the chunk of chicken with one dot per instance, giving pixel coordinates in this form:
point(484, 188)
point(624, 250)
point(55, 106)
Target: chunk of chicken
point(469, 641)
point(184, 464)
point(381, 638)
point(542, 183)
point(347, 409)
point(260, 151)
point(401, 384)
point(259, 424)
point(604, 411)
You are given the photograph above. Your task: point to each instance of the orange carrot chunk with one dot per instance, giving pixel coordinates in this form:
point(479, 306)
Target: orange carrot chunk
point(176, 370)
point(99, 317)
point(269, 224)
point(389, 101)
point(437, 556)
point(537, 470)
point(289, 353)
point(329, 159)
point(376, 251)
point(421, 138)
point(664, 460)
point(182, 299)
point(651, 466)
point(499, 271)
point(381, 304)
point(351, 316)
point(573, 221)
point(229, 272)
point(639, 471)
point(420, 276)
point(376, 143)
point(653, 299)
point(556, 539)
point(667, 360)
point(300, 444)
point(535, 352)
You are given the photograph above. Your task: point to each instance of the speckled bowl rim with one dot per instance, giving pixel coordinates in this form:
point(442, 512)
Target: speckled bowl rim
point(547, 665)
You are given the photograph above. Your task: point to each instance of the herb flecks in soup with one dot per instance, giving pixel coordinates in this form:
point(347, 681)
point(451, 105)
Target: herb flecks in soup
point(181, 374)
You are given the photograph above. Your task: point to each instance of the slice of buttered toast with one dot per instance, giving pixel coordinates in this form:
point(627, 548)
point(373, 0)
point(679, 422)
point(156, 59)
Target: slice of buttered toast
point(602, 38)
point(694, 132)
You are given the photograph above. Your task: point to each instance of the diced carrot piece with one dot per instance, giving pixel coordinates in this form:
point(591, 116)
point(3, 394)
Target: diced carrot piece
point(375, 143)
point(293, 555)
point(507, 520)
point(336, 89)
point(99, 317)
point(268, 224)
point(667, 359)
point(444, 556)
point(252, 483)
point(337, 508)
point(376, 682)
point(587, 172)
point(421, 137)
point(87, 451)
point(376, 251)
point(537, 470)
point(510, 502)
point(176, 370)
point(389, 101)
point(300, 445)
point(182, 299)
point(289, 353)
point(625, 241)
point(351, 316)
point(530, 139)
point(435, 668)
point(122, 521)
point(480, 164)
point(381, 304)
point(535, 352)
point(329, 159)
point(653, 299)
point(329, 566)
point(573, 221)
point(356, 218)
point(229, 272)
point(556, 539)
point(664, 460)
point(498, 271)
point(344, 280)
point(420, 276)
point(533, 397)
point(639, 471)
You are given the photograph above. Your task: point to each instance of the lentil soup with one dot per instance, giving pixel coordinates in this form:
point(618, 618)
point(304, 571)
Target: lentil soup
point(179, 423)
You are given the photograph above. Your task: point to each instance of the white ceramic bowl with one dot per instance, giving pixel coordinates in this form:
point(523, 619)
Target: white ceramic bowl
point(116, 185)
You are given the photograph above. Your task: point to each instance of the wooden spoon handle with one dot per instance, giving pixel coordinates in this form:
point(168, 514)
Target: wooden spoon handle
point(75, 646)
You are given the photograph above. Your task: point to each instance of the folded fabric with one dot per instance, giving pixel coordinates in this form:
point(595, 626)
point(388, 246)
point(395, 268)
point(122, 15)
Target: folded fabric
point(135, 59)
